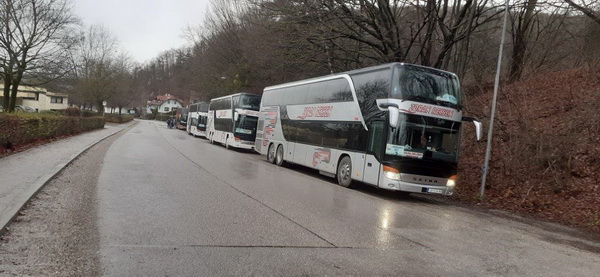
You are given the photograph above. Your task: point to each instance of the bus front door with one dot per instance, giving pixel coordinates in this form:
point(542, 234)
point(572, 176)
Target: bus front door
point(372, 164)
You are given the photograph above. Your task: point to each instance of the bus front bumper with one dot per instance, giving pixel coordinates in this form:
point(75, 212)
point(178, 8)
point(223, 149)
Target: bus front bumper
point(389, 184)
point(243, 144)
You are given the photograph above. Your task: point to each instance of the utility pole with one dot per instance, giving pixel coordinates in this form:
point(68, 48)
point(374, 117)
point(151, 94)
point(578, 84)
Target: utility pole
point(488, 149)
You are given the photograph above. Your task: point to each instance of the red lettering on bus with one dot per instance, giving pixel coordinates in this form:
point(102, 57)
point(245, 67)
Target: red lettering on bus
point(318, 111)
point(442, 112)
point(418, 108)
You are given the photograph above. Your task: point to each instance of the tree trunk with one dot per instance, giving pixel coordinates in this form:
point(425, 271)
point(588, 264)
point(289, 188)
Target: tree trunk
point(100, 104)
point(14, 90)
point(430, 20)
point(520, 44)
point(6, 99)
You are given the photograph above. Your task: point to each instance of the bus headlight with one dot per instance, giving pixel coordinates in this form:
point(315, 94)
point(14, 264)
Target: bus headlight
point(451, 181)
point(391, 173)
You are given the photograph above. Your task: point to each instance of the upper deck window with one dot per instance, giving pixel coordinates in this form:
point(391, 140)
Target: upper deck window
point(426, 85)
point(249, 102)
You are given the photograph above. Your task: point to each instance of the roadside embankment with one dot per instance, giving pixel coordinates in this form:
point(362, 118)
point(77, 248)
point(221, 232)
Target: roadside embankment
point(545, 158)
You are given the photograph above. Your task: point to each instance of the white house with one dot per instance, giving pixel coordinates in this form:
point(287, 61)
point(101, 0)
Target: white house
point(164, 103)
point(40, 99)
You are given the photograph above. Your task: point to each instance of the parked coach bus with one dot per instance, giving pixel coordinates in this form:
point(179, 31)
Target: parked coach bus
point(232, 120)
point(196, 124)
point(394, 126)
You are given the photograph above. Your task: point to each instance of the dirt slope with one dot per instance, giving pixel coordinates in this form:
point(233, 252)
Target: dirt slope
point(546, 149)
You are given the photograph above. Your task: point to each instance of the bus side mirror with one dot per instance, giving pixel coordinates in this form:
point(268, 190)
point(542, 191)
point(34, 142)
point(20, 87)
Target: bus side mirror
point(394, 113)
point(477, 125)
point(236, 115)
point(394, 116)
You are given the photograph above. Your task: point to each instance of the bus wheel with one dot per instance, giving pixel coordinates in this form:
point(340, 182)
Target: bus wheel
point(279, 156)
point(271, 153)
point(344, 172)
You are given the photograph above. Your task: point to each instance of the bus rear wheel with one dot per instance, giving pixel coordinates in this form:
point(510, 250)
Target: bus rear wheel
point(279, 156)
point(271, 153)
point(344, 172)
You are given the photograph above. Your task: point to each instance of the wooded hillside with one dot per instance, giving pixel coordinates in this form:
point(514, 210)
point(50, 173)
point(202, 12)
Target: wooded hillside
point(546, 149)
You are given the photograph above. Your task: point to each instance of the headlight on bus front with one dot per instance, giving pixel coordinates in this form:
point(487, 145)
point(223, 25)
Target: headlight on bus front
point(451, 181)
point(391, 173)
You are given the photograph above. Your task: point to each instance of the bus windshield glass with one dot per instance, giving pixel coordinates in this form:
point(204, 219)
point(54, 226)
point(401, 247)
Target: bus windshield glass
point(245, 128)
point(426, 85)
point(419, 137)
point(249, 102)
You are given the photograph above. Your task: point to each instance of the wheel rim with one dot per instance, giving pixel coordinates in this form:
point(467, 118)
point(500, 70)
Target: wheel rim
point(271, 155)
point(344, 173)
point(279, 154)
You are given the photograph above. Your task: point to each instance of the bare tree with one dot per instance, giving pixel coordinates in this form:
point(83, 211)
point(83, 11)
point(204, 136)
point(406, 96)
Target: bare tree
point(124, 79)
point(376, 31)
point(34, 40)
point(587, 7)
point(96, 65)
point(523, 18)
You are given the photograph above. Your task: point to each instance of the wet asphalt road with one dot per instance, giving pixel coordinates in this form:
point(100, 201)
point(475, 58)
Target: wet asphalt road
point(171, 204)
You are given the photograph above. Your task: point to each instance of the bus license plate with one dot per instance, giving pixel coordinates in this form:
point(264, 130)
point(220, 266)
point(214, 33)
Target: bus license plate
point(438, 191)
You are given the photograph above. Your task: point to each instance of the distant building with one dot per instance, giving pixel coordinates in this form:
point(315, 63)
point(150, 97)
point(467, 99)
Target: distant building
point(124, 110)
point(40, 99)
point(164, 104)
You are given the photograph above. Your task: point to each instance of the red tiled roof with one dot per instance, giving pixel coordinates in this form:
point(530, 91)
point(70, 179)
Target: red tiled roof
point(159, 99)
point(163, 98)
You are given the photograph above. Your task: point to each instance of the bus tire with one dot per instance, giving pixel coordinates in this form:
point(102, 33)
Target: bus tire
point(344, 172)
point(271, 153)
point(279, 155)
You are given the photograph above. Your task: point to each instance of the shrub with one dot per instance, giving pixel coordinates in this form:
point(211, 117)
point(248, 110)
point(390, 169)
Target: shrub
point(72, 111)
point(163, 117)
point(149, 116)
point(87, 113)
point(47, 112)
point(18, 129)
point(118, 118)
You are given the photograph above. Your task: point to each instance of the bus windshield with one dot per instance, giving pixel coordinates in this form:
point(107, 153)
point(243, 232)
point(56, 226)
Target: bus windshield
point(426, 138)
point(249, 102)
point(245, 128)
point(426, 85)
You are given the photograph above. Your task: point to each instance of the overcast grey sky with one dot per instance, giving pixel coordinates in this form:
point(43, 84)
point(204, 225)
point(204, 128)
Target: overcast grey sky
point(144, 27)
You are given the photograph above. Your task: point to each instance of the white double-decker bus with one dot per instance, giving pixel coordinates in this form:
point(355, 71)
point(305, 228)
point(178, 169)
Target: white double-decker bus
point(232, 120)
point(196, 124)
point(394, 126)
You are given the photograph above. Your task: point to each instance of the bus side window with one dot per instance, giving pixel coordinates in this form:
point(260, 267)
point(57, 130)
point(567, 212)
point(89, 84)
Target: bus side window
point(298, 94)
point(316, 93)
point(272, 97)
point(375, 138)
point(339, 91)
point(236, 101)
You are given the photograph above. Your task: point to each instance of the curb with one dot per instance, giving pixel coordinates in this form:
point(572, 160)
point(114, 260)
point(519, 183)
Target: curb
point(46, 178)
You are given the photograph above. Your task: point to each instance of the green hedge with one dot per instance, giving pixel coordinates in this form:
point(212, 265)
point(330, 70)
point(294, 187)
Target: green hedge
point(163, 117)
point(118, 118)
point(18, 129)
